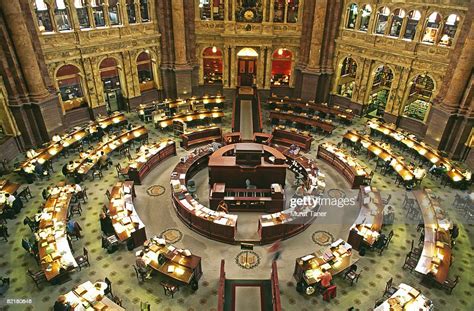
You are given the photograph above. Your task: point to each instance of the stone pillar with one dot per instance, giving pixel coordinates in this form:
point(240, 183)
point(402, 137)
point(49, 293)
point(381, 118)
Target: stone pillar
point(268, 69)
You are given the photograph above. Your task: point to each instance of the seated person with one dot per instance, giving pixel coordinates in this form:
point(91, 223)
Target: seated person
point(56, 138)
point(106, 224)
point(9, 199)
point(326, 279)
point(30, 154)
point(249, 185)
point(65, 169)
point(4, 285)
point(419, 172)
point(467, 175)
point(61, 304)
point(39, 170)
point(142, 266)
point(388, 214)
point(103, 160)
point(222, 207)
point(74, 229)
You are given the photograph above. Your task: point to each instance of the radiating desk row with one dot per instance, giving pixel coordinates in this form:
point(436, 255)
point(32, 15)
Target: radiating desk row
point(302, 119)
point(406, 298)
point(89, 296)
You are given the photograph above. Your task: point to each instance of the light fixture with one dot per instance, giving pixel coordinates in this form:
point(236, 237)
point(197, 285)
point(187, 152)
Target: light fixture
point(214, 49)
point(280, 51)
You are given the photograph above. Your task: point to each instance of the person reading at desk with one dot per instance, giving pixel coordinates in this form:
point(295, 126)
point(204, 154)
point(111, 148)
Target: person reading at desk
point(56, 138)
point(61, 304)
point(30, 154)
point(222, 207)
point(326, 279)
point(142, 266)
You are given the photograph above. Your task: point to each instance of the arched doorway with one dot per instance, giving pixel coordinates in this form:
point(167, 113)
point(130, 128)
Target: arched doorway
point(281, 67)
point(247, 67)
point(419, 97)
point(70, 87)
point(109, 74)
point(380, 91)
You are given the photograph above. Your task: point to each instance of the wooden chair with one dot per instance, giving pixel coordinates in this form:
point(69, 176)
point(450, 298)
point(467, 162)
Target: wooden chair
point(410, 262)
point(37, 277)
point(352, 274)
point(83, 260)
point(140, 274)
point(97, 172)
point(330, 293)
point(169, 289)
point(33, 226)
point(121, 171)
point(389, 289)
point(415, 252)
point(75, 209)
point(108, 290)
point(387, 200)
point(25, 194)
point(82, 195)
point(408, 202)
point(449, 285)
point(4, 232)
point(108, 194)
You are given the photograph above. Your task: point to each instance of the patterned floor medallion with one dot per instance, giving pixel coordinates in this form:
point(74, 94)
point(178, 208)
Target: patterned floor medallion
point(247, 259)
point(336, 193)
point(172, 235)
point(322, 238)
point(155, 190)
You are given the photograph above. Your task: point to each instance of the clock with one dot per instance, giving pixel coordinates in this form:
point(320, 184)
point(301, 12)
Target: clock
point(249, 15)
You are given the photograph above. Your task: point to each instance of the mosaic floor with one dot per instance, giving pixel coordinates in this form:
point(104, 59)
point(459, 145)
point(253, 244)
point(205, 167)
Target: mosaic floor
point(154, 207)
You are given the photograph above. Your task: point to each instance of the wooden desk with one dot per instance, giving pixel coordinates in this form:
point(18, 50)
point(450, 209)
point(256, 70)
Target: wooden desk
point(148, 158)
point(303, 119)
point(53, 246)
point(262, 138)
point(436, 255)
point(201, 136)
point(368, 224)
point(9, 187)
point(232, 138)
point(335, 259)
point(91, 294)
point(163, 121)
point(454, 173)
point(382, 151)
point(179, 265)
point(292, 103)
point(214, 225)
point(406, 298)
point(290, 137)
point(126, 222)
point(88, 160)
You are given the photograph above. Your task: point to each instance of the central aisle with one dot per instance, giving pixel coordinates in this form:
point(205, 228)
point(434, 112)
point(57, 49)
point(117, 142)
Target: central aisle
point(246, 121)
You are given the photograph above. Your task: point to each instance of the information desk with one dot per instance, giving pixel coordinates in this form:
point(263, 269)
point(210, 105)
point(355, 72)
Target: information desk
point(261, 164)
point(453, 172)
point(291, 221)
point(383, 152)
point(366, 228)
point(88, 159)
point(127, 225)
point(53, 246)
point(288, 137)
point(148, 157)
point(89, 296)
point(179, 265)
point(335, 259)
point(201, 136)
point(163, 121)
point(355, 173)
point(406, 298)
point(215, 225)
point(71, 138)
point(435, 258)
point(292, 103)
point(248, 200)
point(303, 119)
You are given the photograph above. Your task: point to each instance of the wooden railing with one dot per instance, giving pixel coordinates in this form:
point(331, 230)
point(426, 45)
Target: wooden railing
point(235, 111)
point(275, 288)
point(221, 288)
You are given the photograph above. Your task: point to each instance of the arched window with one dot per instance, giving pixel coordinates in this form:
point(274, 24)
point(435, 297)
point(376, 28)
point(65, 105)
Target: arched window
point(98, 12)
point(144, 11)
point(365, 17)
point(43, 16)
point(432, 28)
point(347, 77)
point(380, 91)
point(249, 11)
point(352, 12)
point(281, 67)
point(61, 16)
point(397, 21)
point(109, 74)
point(382, 20)
point(69, 83)
point(82, 14)
point(212, 65)
point(419, 98)
point(211, 9)
point(413, 18)
point(145, 71)
point(292, 11)
point(449, 30)
point(114, 15)
point(132, 15)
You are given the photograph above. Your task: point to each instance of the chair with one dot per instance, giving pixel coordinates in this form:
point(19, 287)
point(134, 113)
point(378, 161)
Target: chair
point(191, 186)
point(82, 195)
point(121, 171)
point(83, 260)
point(4, 233)
point(329, 293)
point(145, 306)
point(140, 274)
point(408, 202)
point(387, 200)
point(389, 289)
point(25, 194)
point(389, 238)
point(108, 290)
point(410, 262)
point(415, 252)
point(169, 289)
point(75, 209)
point(33, 226)
point(449, 285)
point(37, 277)
point(97, 172)
point(352, 274)
point(108, 194)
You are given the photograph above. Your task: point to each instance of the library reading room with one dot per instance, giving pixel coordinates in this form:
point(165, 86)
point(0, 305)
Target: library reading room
point(236, 155)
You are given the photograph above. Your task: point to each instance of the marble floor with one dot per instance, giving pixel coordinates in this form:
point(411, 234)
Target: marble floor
point(159, 217)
